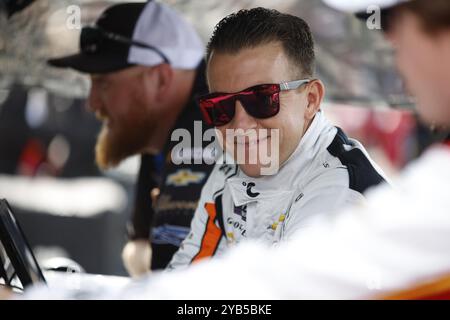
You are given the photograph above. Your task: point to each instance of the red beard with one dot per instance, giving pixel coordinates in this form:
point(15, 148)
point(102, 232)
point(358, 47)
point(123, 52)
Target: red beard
point(116, 144)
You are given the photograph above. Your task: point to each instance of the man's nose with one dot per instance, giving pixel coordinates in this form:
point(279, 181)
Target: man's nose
point(241, 119)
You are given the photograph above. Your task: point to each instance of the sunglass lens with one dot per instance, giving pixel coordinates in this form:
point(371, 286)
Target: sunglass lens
point(223, 112)
point(263, 103)
point(217, 113)
point(260, 102)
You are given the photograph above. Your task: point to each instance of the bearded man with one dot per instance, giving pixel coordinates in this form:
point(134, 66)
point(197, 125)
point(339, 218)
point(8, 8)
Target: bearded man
point(146, 66)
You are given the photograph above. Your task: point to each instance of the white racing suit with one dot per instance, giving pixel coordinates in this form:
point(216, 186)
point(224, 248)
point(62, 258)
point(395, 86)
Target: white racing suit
point(327, 171)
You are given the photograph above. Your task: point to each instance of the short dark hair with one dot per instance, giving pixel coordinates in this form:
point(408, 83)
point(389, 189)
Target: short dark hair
point(257, 26)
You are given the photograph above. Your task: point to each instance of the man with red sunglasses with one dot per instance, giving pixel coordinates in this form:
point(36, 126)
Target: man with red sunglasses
point(264, 96)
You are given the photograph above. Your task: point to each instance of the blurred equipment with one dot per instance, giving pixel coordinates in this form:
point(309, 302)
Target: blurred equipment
point(39, 134)
point(16, 256)
point(83, 216)
point(62, 264)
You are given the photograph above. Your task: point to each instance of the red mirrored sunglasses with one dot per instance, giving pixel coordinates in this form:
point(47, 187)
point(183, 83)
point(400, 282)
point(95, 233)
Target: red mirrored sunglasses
point(261, 102)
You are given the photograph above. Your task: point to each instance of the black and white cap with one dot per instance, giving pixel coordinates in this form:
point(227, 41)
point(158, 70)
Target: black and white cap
point(130, 34)
point(356, 6)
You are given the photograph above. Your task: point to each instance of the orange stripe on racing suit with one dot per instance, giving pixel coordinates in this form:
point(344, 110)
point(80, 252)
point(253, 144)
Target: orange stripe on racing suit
point(211, 237)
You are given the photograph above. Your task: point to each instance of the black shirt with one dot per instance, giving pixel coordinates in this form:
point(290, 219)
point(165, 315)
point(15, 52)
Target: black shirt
point(167, 220)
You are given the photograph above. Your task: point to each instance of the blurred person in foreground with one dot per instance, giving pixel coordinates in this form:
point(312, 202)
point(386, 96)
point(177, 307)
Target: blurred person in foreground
point(399, 238)
point(146, 65)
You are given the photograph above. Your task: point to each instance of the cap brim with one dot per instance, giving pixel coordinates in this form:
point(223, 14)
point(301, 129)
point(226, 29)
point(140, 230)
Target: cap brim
point(95, 63)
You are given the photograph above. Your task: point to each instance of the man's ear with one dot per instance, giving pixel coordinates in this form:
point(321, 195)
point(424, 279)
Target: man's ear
point(164, 80)
point(157, 81)
point(315, 94)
